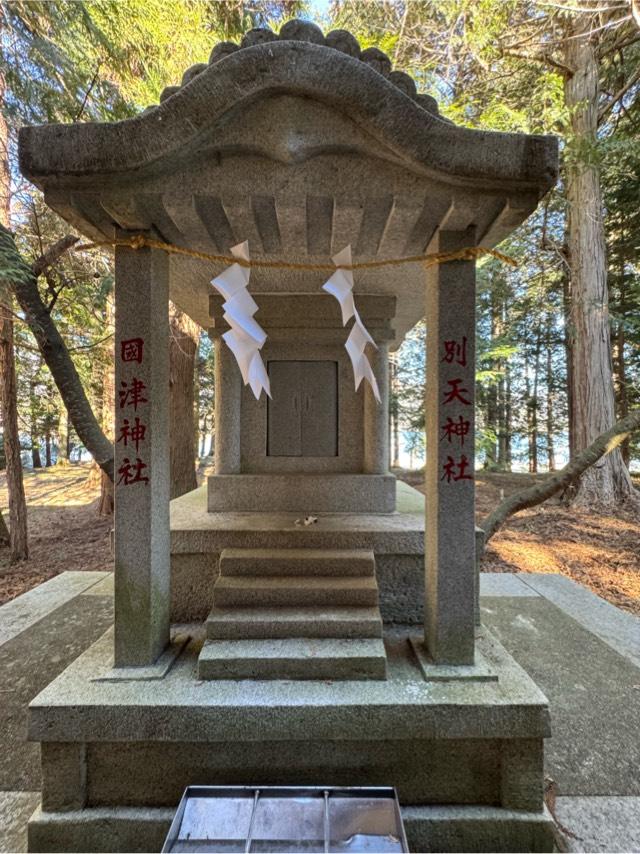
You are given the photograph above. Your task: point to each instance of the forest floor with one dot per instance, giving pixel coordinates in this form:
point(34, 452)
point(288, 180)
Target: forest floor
point(600, 551)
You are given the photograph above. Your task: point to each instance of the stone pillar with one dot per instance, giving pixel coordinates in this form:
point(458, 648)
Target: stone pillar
point(376, 415)
point(449, 423)
point(142, 540)
point(228, 392)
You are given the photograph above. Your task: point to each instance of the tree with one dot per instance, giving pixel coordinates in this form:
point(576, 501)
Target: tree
point(8, 394)
point(98, 60)
point(565, 68)
point(183, 346)
point(603, 445)
point(592, 368)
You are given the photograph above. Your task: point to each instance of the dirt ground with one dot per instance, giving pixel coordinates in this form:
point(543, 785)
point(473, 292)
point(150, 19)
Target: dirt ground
point(65, 530)
point(601, 552)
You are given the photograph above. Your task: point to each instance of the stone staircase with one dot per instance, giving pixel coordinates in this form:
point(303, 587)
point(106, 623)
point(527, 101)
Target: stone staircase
point(294, 614)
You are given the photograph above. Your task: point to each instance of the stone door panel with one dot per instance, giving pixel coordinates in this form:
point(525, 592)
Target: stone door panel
point(302, 417)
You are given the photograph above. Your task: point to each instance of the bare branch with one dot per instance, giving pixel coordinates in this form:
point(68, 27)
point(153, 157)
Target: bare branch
point(631, 82)
point(604, 444)
point(53, 253)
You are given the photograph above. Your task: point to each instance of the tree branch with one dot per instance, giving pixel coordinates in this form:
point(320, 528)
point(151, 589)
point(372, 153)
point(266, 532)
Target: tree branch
point(24, 282)
point(53, 253)
point(604, 444)
point(606, 108)
point(543, 58)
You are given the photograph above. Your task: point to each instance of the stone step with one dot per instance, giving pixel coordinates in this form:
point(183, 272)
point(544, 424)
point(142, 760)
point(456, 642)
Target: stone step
point(291, 591)
point(314, 622)
point(297, 562)
point(293, 658)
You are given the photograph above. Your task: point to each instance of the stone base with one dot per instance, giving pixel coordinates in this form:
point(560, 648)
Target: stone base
point(465, 756)
point(302, 493)
point(397, 540)
point(439, 828)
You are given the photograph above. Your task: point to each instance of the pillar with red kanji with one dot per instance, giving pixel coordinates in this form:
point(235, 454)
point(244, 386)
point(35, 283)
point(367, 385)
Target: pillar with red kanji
point(142, 545)
point(450, 434)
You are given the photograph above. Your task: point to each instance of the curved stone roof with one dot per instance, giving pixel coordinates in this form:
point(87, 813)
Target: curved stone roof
point(300, 143)
point(304, 31)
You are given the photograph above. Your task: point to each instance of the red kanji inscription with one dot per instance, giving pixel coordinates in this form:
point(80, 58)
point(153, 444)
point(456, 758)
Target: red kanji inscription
point(131, 394)
point(131, 350)
point(132, 472)
point(454, 471)
point(455, 351)
point(456, 393)
point(453, 429)
point(132, 433)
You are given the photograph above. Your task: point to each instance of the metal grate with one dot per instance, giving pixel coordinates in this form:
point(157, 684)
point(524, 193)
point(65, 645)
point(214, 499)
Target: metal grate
point(287, 819)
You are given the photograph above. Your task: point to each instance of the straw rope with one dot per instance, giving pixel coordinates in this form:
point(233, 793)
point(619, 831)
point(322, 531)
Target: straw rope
point(469, 253)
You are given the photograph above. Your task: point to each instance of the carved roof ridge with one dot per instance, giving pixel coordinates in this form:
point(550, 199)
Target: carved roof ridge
point(299, 30)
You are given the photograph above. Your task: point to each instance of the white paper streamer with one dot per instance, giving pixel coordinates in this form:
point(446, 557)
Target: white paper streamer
point(340, 286)
point(245, 338)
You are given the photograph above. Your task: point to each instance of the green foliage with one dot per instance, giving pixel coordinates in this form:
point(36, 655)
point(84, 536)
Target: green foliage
point(500, 66)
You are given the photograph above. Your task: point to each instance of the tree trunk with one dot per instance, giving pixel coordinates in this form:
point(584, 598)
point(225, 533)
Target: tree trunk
point(592, 386)
point(203, 436)
point(568, 352)
point(534, 434)
point(47, 447)
point(619, 361)
point(529, 414)
point(183, 348)
point(5, 536)
point(508, 410)
point(393, 413)
point(62, 458)
point(492, 393)
point(107, 413)
point(623, 394)
point(8, 390)
point(54, 351)
point(551, 457)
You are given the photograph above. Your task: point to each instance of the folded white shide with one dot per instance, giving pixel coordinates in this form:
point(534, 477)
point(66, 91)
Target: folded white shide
point(245, 338)
point(340, 286)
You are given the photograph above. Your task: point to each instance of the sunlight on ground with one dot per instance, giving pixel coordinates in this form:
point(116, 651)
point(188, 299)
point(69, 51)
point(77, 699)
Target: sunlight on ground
point(56, 486)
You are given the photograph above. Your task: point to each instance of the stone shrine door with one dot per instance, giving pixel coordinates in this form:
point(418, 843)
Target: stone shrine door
point(302, 416)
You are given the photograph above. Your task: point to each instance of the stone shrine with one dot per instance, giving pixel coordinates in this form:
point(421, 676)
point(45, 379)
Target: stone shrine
point(248, 649)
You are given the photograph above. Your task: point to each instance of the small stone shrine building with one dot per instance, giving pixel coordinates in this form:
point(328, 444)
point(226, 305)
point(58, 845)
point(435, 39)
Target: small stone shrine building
point(249, 649)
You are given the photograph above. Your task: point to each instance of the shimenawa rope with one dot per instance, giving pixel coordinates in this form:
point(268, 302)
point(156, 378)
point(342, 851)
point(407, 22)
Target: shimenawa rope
point(469, 253)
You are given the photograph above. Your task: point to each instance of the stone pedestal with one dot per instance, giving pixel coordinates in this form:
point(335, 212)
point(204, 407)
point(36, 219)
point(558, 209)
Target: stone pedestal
point(465, 755)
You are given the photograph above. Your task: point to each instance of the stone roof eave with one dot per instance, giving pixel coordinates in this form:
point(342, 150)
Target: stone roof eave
point(61, 155)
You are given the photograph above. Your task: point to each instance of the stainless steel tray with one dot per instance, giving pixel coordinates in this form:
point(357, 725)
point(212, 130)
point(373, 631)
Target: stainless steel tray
point(287, 819)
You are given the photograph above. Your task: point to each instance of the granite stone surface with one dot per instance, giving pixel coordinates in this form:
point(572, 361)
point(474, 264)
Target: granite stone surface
point(592, 690)
point(179, 708)
point(600, 823)
point(15, 810)
point(26, 610)
point(603, 821)
point(29, 662)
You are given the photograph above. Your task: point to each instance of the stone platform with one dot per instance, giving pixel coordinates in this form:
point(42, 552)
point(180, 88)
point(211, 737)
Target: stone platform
point(316, 493)
point(117, 755)
point(583, 652)
point(198, 537)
